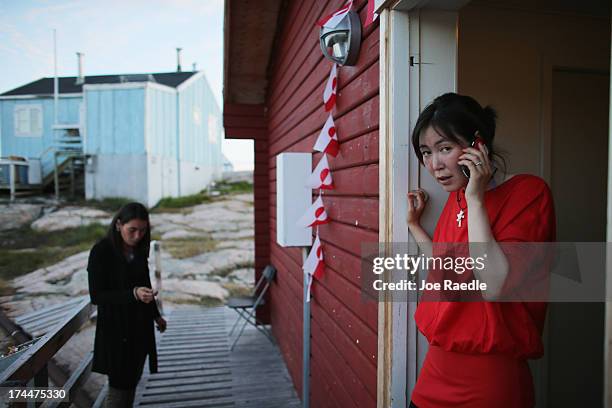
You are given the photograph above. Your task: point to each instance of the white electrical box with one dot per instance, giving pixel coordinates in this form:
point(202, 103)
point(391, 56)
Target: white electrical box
point(293, 198)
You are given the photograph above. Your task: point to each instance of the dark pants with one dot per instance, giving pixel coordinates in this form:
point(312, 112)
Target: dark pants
point(119, 398)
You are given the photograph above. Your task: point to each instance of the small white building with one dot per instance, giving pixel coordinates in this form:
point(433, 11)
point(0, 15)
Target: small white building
point(143, 136)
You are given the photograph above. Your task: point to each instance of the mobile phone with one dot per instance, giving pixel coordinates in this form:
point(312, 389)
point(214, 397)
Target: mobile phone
point(476, 145)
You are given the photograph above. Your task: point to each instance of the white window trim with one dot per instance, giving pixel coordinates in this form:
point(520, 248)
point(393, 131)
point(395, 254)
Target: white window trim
point(29, 109)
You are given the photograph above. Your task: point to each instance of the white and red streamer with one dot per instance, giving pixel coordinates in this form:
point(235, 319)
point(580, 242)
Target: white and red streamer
point(314, 264)
point(329, 94)
point(327, 142)
point(321, 177)
point(315, 215)
point(370, 14)
point(332, 20)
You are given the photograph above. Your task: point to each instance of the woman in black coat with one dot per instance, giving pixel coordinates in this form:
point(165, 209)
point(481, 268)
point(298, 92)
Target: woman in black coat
point(119, 284)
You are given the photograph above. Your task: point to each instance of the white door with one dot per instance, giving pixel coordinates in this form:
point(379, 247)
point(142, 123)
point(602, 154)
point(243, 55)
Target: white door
point(421, 65)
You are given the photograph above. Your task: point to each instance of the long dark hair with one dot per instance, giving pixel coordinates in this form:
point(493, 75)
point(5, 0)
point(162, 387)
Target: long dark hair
point(457, 118)
point(127, 213)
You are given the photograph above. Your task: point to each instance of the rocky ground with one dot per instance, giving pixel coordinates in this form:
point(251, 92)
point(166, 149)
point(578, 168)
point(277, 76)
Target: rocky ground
point(207, 254)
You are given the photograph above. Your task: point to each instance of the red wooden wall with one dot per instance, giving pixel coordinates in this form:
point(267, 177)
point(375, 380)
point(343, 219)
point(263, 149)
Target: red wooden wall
point(344, 328)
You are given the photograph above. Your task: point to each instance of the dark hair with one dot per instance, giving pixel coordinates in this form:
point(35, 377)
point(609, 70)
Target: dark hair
point(458, 118)
point(127, 213)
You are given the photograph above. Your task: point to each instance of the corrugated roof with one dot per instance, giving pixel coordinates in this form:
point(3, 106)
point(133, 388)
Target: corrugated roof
point(44, 86)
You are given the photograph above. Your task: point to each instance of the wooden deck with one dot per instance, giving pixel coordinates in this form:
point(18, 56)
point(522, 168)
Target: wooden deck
point(197, 368)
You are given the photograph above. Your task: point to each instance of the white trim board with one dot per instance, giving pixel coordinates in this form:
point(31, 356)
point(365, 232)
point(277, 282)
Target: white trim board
point(41, 96)
point(429, 36)
point(190, 80)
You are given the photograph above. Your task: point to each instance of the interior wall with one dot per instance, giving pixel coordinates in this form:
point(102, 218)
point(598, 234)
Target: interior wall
point(509, 52)
point(502, 55)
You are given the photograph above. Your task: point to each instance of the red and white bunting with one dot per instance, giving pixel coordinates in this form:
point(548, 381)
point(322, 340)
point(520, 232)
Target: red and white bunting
point(315, 215)
point(327, 142)
point(314, 264)
point(329, 95)
point(370, 15)
point(332, 20)
point(321, 177)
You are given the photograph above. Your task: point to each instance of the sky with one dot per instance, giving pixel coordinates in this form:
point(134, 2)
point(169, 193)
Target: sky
point(117, 37)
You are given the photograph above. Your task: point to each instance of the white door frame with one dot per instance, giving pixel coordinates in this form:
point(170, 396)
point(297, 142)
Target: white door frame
point(608, 323)
point(418, 61)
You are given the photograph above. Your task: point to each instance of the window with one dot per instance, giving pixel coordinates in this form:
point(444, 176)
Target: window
point(28, 120)
point(212, 129)
point(197, 115)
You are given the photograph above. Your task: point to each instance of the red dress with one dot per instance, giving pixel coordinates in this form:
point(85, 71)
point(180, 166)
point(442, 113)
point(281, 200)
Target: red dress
point(478, 350)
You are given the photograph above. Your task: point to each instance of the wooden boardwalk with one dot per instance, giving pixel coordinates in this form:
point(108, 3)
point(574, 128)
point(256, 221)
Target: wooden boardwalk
point(197, 368)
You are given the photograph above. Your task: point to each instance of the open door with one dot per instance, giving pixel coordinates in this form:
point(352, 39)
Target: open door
point(545, 67)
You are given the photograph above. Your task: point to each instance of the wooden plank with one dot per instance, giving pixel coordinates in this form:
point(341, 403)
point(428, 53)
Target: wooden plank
point(219, 375)
point(245, 133)
point(242, 109)
point(214, 377)
point(341, 341)
point(222, 386)
point(163, 376)
point(309, 60)
point(360, 119)
point(325, 369)
point(321, 392)
point(307, 101)
point(307, 92)
point(101, 396)
point(76, 380)
point(232, 121)
point(36, 357)
point(51, 310)
point(343, 372)
point(290, 61)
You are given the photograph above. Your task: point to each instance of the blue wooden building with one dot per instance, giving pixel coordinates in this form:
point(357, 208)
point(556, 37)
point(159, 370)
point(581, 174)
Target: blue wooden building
point(142, 136)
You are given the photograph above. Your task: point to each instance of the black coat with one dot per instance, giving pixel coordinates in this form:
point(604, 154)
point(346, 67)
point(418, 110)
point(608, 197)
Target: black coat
point(124, 328)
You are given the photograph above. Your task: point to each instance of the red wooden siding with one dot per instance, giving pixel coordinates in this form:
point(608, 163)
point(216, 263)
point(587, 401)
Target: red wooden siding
point(344, 328)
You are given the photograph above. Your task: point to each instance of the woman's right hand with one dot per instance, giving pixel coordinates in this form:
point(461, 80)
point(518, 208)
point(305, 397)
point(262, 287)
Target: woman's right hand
point(416, 205)
point(144, 294)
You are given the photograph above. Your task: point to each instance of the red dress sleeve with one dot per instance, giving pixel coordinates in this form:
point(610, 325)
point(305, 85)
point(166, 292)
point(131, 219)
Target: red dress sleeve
point(523, 224)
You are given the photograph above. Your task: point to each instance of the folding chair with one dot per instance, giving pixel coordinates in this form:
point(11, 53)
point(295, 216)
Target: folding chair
point(247, 306)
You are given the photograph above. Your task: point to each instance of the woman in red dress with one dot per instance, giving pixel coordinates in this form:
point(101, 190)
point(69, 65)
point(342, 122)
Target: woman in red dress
point(478, 351)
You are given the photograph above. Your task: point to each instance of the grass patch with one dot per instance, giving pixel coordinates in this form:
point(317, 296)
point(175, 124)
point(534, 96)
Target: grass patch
point(173, 203)
point(178, 204)
point(238, 187)
point(182, 248)
point(206, 301)
point(224, 272)
point(236, 290)
point(24, 250)
point(110, 204)
point(26, 237)
point(210, 301)
point(5, 288)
